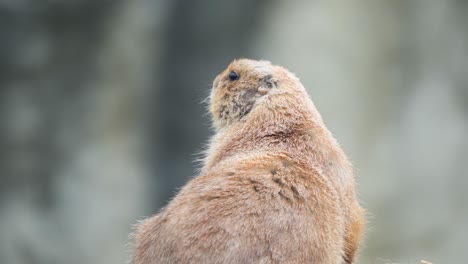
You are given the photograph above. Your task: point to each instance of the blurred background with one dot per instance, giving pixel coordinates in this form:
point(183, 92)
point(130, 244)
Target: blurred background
point(101, 114)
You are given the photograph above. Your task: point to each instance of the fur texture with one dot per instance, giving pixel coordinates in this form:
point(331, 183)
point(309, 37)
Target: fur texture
point(275, 186)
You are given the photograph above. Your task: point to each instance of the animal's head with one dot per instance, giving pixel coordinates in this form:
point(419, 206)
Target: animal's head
point(244, 85)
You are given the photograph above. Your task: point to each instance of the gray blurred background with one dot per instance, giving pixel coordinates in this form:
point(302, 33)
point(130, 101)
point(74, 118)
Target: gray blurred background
point(101, 114)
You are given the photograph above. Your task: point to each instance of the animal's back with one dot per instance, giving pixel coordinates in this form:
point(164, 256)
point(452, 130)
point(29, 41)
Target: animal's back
point(263, 210)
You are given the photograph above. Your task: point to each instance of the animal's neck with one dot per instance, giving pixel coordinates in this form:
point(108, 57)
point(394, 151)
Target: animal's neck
point(300, 135)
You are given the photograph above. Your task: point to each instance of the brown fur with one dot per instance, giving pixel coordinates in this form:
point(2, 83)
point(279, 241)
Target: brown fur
point(275, 186)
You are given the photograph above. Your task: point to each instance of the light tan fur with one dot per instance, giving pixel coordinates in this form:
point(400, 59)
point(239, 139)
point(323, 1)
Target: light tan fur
point(275, 186)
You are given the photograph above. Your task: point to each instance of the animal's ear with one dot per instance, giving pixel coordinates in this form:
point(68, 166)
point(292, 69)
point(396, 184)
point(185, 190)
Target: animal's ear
point(266, 83)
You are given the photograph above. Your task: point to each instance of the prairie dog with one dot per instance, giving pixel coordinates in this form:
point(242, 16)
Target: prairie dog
point(275, 186)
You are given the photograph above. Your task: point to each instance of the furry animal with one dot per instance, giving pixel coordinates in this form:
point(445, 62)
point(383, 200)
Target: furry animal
point(275, 186)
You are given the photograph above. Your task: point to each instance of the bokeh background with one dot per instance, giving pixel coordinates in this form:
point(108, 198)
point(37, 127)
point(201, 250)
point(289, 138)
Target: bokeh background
point(101, 115)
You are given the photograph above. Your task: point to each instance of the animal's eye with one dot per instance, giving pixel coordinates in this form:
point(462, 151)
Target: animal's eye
point(233, 76)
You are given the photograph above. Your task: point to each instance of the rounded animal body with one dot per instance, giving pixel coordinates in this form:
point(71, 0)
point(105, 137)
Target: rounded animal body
point(275, 186)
